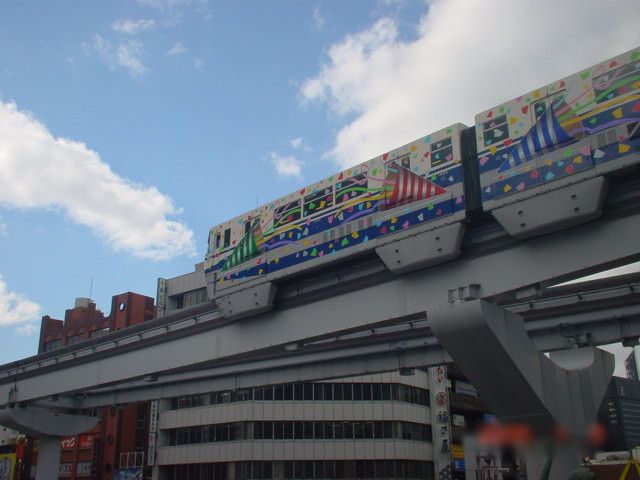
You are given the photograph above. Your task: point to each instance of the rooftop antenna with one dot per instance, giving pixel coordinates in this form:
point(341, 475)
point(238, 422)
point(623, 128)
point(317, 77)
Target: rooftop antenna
point(91, 286)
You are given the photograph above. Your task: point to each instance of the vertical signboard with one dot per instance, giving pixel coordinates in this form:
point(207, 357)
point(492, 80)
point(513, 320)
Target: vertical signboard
point(153, 432)
point(161, 296)
point(440, 422)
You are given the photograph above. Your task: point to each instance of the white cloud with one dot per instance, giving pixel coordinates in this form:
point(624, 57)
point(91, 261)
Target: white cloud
point(130, 55)
point(17, 310)
point(165, 5)
point(132, 27)
point(38, 170)
point(199, 64)
point(27, 329)
point(3, 228)
point(286, 166)
point(175, 8)
point(298, 143)
point(466, 57)
point(318, 19)
point(127, 55)
point(177, 49)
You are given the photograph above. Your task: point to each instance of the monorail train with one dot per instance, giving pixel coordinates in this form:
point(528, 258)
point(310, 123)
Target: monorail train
point(561, 139)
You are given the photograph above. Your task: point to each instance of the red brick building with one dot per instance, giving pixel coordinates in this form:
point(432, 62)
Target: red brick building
point(122, 432)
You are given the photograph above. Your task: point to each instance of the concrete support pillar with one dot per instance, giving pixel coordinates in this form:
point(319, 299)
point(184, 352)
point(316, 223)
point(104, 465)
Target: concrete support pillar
point(49, 426)
point(48, 458)
point(519, 383)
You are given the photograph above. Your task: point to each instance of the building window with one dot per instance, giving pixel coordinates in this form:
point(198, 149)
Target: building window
point(299, 430)
point(339, 391)
point(99, 333)
point(52, 345)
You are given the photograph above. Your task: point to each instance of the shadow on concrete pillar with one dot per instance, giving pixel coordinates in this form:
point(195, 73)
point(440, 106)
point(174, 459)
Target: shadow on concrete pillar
point(518, 382)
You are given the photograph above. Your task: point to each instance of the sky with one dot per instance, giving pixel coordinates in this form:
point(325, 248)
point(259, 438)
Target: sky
point(128, 128)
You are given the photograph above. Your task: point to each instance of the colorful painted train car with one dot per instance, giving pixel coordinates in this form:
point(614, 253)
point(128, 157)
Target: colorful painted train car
point(537, 163)
point(572, 130)
point(416, 187)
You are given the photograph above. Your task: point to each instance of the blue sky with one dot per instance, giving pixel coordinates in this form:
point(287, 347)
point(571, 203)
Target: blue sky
point(128, 128)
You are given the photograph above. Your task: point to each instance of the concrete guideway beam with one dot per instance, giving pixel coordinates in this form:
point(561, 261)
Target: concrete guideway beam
point(523, 264)
point(518, 382)
point(40, 421)
point(49, 426)
point(590, 324)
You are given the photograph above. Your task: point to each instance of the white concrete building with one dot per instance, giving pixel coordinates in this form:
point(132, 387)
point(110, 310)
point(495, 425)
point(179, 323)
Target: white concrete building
point(374, 426)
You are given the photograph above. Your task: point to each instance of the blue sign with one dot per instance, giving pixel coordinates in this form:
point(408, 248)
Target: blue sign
point(131, 473)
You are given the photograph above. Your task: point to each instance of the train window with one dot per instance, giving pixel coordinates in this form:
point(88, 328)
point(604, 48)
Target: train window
point(541, 106)
point(495, 130)
point(403, 160)
point(616, 82)
point(441, 152)
point(227, 238)
point(351, 188)
point(286, 214)
point(318, 201)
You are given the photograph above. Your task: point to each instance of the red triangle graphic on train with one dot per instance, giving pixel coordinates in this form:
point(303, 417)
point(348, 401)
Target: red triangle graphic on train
point(404, 186)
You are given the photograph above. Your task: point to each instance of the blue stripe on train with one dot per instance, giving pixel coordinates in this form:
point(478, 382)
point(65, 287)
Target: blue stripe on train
point(387, 227)
point(319, 225)
point(558, 169)
point(628, 112)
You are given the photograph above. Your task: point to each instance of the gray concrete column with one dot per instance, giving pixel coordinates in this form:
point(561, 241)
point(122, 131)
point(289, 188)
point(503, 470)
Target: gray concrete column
point(519, 383)
point(49, 426)
point(48, 458)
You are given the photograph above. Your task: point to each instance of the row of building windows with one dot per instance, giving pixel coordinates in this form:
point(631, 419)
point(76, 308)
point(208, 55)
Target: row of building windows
point(191, 298)
point(327, 469)
point(301, 430)
point(309, 392)
point(73, 339)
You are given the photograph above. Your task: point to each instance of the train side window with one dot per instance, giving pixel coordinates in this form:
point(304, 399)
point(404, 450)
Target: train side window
point(495, 130)
point(633, 129)
point(318, 201)
point(616, 82)
point(350, 188)
point(287, 213)
point(403, 160)
point(441, 152)
point(227, 238)
point(541, 106)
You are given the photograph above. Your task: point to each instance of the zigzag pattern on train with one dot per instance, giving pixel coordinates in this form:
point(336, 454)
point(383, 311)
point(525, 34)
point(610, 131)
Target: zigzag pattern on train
point(561, 140)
